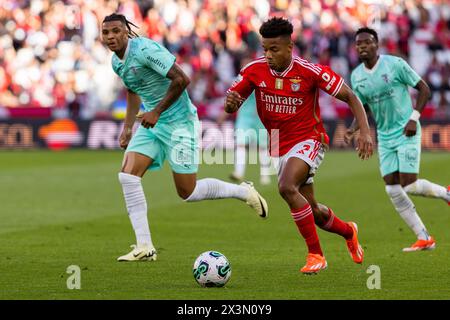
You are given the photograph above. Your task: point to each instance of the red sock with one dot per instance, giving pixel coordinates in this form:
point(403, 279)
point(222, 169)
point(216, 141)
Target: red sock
point(336, 225)
point(304, 220)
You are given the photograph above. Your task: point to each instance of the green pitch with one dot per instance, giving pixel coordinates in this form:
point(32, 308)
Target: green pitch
point(63, 209)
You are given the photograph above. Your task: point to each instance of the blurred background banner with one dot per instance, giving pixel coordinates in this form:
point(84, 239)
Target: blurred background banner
point(53, 65)
point(63, 134)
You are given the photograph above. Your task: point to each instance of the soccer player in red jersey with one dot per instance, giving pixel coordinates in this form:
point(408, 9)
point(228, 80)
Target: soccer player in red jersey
point(287, 92)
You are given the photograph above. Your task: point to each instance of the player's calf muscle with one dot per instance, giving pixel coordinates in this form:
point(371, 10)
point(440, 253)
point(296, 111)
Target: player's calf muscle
point(321, 214)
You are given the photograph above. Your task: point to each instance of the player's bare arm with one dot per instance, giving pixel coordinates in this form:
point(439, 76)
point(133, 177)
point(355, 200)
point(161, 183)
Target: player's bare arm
point(222, 118)
point(364, 141)
point(133, 105)
point(179, 82)
point(424, 95)
point(233, 101)
point(351, 131)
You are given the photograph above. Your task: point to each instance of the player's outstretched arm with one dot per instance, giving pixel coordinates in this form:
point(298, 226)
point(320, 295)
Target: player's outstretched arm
point(133, 105)
point(364, 142)
point(179, 82)
point(424, 95)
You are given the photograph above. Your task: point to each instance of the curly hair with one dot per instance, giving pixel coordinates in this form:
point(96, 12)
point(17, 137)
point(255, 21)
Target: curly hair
point(276, 27)
point(369, 31)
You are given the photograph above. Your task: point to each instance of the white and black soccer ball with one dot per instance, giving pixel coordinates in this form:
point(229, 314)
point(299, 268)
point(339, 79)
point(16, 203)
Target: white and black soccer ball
point(212, 269)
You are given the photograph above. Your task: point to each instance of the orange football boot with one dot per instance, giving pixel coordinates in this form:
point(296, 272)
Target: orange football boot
point(421, 245)
point(448, 191)
point(314, 263)
point(353, 246)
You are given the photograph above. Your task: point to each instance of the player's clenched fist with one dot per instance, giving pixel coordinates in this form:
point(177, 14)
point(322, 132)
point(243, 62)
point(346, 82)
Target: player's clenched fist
point(233, 101)
point(149, 119)
point(410, 129)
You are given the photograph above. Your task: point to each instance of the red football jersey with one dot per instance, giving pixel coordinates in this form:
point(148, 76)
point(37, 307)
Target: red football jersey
point(288, 102)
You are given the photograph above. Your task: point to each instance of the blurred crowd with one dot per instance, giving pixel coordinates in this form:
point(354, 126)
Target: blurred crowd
point(51, 53)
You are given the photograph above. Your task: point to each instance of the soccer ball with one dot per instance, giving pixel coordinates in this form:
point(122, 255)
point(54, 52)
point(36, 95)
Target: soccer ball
point(212, 269)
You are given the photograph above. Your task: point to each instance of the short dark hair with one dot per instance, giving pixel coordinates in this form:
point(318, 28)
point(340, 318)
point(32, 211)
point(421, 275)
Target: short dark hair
point(369, 31)
point(125, 21)
point(276, 27)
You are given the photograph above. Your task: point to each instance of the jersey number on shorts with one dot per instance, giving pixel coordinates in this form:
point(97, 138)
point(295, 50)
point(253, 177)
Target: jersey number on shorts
point(307, 148)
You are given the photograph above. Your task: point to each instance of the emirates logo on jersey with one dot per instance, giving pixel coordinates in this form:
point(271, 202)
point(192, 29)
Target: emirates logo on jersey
point(281, 104)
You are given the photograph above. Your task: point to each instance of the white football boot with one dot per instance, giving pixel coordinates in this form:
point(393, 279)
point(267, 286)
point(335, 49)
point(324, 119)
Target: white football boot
point(139, 253)
point(255, 200)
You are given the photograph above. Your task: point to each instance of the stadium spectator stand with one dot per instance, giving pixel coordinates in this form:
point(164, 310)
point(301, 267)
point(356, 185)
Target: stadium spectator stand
point(51, 56)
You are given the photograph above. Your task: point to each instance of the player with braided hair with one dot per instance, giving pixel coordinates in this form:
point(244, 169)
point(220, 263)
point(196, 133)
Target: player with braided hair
point(168, 130)
point(125, 21)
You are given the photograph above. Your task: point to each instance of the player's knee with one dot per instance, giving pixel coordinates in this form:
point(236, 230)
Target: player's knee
point(412, 186)
point(399, 198)
point(287, 190)
point(408, 183)
point(394, 190)
point(184, 193)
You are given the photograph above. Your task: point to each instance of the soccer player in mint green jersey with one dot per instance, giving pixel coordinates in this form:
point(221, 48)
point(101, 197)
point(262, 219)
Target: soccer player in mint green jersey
point(249, 131)
point(381, 82)
point(168, 130)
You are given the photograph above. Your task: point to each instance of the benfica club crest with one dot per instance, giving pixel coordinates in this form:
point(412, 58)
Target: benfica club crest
point(295, 84)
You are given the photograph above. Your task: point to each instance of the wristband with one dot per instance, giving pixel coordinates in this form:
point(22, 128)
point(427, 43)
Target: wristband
point(415, 115)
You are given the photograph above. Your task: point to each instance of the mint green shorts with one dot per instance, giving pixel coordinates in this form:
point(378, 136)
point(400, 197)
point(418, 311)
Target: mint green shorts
point(177, 142)
point(250, 130)
point(402, 155)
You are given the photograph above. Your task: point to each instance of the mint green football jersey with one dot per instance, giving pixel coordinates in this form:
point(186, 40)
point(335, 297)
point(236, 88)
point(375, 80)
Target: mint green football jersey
point(143, 71)
point(248, 107)
point(384, 88)
point(247, 117)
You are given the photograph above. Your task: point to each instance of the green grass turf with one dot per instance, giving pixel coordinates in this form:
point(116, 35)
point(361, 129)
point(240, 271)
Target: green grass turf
point(66, 208)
